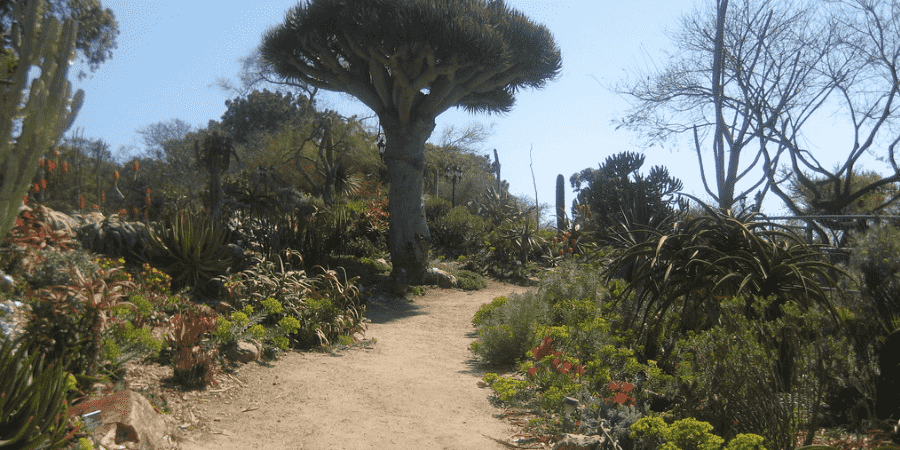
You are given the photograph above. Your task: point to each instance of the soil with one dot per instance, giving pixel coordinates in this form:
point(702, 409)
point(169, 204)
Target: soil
point(413, 383)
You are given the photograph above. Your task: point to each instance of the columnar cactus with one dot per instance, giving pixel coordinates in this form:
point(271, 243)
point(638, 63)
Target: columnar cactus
point(560, 202)
point(48, 109)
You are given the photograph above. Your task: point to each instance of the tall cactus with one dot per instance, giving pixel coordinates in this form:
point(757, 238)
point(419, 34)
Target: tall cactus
point(45, 113)
point(560, 202)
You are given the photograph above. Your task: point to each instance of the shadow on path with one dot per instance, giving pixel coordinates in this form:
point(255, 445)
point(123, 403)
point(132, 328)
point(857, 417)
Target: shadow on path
point(385, 309)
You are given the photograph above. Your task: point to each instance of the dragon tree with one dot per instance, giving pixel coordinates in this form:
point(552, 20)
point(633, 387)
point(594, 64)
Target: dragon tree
point(409, 61)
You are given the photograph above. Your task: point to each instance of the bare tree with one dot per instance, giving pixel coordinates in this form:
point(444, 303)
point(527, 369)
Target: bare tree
point(863, 66)
point(742, 72)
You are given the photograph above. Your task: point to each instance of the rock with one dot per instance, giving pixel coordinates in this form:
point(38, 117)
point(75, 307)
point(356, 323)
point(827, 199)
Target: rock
point(128, 420)
point(13, 318)
point(59, 221)
point(246, 351)
point(440, 277)
point(579, 442)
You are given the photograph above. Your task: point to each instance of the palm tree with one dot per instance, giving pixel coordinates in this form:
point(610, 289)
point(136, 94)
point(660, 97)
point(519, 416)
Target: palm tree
point(409, 61)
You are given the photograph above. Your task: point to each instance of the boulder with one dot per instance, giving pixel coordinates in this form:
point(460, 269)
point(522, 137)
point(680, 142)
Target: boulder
point(579, 442)
point(245, 352)
point(440, 277)
point(126, 419)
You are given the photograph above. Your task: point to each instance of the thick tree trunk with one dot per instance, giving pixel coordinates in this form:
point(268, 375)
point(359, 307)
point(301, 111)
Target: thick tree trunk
point(408, 238)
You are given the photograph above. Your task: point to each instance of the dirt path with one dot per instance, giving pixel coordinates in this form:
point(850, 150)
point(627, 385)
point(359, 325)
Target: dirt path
point(416, 388)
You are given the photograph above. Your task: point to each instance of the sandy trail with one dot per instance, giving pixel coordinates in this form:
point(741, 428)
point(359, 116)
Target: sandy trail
point(416, 388)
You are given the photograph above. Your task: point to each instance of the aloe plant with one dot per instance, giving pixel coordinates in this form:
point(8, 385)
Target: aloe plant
point(714, 256)
point(33, 407)
point(192, 248)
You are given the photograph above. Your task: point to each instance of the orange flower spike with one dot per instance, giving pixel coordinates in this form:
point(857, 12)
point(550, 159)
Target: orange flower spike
point(627, 387)
point(81, 201)
point(51, 165)
point(136, 166)
point(37, 188)
point(95, 207)
point(65, 167)
point(116, 175)
point(56, 152)
point(102, 196)
point(44, 183)
point(42, 162)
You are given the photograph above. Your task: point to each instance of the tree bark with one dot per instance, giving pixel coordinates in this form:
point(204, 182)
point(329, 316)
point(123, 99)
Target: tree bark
point(408, 237)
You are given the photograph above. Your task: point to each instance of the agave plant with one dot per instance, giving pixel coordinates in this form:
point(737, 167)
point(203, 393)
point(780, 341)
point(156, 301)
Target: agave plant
point(192, 248)
point(524, 237)
point(699, 262)
point(33, 406)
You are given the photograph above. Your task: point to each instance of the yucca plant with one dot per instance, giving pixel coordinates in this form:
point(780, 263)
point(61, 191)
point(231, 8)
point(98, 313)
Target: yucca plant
point(698, 262)
point(33, 405)
point(192, 248)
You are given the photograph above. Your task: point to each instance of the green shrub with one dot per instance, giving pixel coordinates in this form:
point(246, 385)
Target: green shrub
point(458, 232)
point(469, 281)
point(69, 331)
point(511, 329)
point(436, 208)
point(687, 434)
point(506, 389)
point(484, 313)
point(733, 376)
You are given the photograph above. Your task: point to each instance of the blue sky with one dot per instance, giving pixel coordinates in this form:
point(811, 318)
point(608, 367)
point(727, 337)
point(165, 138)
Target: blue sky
point(171, 53)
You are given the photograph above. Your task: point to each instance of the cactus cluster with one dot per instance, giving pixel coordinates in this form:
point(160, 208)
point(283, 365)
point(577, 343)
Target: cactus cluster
point(32, 123)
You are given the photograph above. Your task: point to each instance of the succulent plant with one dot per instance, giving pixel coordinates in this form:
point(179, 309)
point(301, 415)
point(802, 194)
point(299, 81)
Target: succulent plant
point(33, 407)
point(192, 248)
